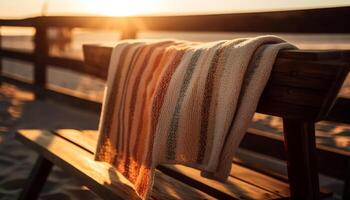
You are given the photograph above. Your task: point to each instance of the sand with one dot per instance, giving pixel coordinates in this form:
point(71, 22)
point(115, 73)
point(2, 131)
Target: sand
point(17, 110)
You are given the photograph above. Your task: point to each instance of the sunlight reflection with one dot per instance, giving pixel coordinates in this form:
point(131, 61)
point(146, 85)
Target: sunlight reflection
point(119, 7)
point(342, 141)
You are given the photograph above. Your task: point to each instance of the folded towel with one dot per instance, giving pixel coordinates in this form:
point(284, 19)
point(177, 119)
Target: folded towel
point(180, 102)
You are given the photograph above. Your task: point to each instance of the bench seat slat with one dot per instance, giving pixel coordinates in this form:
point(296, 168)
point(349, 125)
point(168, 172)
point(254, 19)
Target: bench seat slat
point(100, 177)
point(87, 139)
point(260, 180)
point(233, 187)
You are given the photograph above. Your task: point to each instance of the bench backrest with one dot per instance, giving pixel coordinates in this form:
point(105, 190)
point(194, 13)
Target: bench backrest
point(303, 84)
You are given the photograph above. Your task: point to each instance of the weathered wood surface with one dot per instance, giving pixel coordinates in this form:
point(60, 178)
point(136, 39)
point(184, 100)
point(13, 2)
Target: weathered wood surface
point(278, 169)
point(98, 176)
point(300, 145)
point(41, 51)
point(332, 161)
point(243, 183)
point(241, 177)
point(303, 84)
point(36, 179)
point(272, 183)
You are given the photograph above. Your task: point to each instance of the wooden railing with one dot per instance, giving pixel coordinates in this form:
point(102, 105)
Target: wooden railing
point(328, 20)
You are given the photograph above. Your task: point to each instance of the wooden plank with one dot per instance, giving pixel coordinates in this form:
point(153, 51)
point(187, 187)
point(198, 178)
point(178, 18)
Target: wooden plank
point(346, 189)
point(297, 21)
point(36, 179)
point(232, 188)
point(320, 68)
point(302, 88)
point(260, 180)
point(300, 146)
point(41, 51)
point(315, 63)
point(100, 177)
point(332, 161)
point(64, 154)
point(88, 138)
point(278, 169)
point(1, 55)
point(337, 114)
point(309, 54)
point(262, 163)
point(16, 54)
point(293, 95)
point(166, 187)
point(101, 58)
point(17, 22)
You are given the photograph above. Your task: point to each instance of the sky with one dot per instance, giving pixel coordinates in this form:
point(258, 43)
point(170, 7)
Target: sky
point(29, 8)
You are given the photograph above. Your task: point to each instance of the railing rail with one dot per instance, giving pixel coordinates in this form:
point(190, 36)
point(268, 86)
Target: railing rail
point(322, 20)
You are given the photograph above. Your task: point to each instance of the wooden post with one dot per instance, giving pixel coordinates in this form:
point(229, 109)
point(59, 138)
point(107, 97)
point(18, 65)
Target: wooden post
point(41, 52)
point(36, 180)
point(0, 56)
point(128, 31)
point(300, 146)
point(346, 189)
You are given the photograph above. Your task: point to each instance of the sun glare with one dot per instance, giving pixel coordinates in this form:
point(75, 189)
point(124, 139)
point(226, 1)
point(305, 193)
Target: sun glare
point(120, 7)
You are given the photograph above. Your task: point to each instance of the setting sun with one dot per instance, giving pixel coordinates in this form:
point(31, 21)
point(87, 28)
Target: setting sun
point(120, 7)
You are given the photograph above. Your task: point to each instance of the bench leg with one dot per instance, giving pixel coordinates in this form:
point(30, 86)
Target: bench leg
point(36, 179)
point(300, 147)
point(346, 192)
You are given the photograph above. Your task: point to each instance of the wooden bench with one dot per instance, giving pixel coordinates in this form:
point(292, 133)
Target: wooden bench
point(302, 89)
point(332, 160)
point(72, 150)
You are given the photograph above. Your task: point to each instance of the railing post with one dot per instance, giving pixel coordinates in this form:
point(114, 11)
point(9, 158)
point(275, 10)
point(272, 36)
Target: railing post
point(128, 31)
point(41, 52)
point(0, 56)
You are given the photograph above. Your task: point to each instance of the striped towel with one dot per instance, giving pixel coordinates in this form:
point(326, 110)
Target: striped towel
point(181, 102)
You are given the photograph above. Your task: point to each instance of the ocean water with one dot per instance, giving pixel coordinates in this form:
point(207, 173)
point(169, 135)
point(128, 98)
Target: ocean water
point(92, 88)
